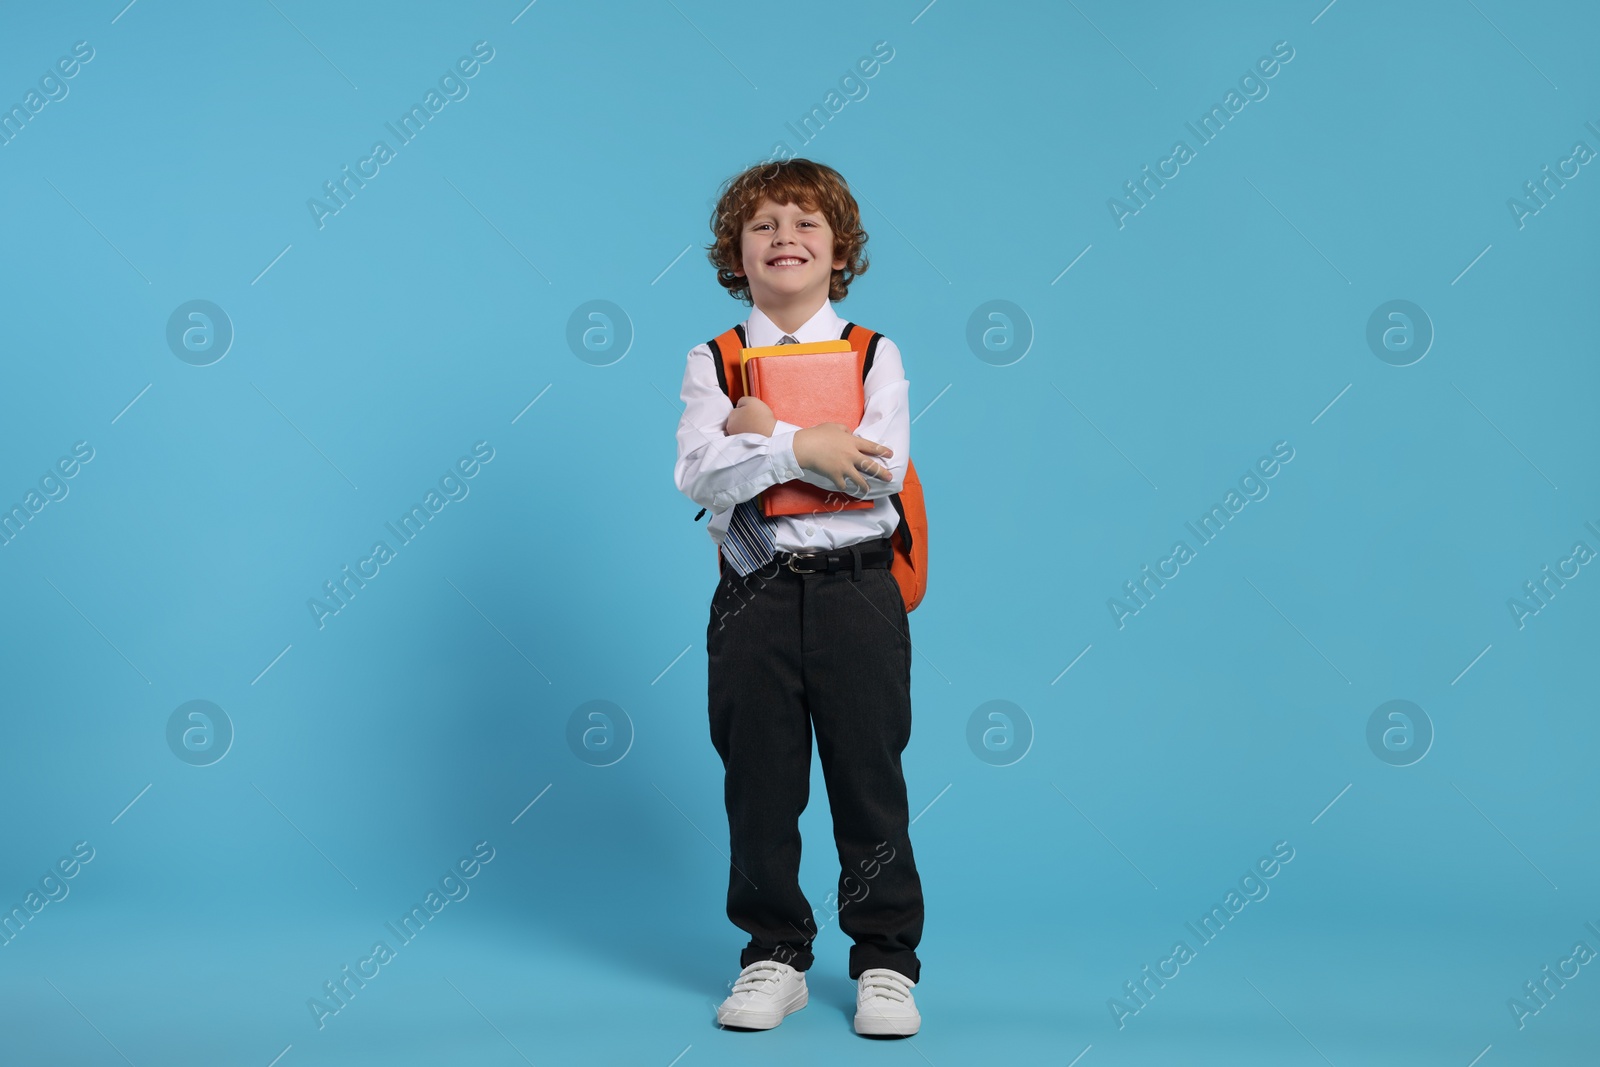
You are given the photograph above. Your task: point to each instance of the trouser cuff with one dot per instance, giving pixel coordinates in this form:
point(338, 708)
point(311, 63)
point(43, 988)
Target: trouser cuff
point(796, 956)
point(906, 963)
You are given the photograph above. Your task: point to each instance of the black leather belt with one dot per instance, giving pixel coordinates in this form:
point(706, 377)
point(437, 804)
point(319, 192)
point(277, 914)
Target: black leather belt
point(878, 552)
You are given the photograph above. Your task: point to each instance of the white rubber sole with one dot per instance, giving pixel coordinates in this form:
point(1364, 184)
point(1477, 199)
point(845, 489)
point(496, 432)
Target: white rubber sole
point(887, 1026)
point(746, 1019)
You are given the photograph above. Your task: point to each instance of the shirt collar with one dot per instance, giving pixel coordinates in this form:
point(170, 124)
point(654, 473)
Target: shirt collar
point(825, 325)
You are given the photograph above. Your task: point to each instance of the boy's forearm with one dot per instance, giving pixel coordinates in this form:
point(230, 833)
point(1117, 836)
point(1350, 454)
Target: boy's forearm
point(717, 466)
point(879, 488)
point(761, 462)
point(787, 467)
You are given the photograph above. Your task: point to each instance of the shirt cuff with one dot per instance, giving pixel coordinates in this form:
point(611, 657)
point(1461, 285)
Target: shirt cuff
point(784, 465)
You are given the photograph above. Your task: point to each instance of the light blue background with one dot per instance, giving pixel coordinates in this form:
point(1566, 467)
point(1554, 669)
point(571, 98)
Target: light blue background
point(1227, 315)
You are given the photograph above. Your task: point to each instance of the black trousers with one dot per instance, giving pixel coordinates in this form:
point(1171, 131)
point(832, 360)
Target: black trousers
point(788, 653)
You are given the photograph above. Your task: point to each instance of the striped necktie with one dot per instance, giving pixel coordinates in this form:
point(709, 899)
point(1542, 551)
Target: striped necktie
point(750, 542)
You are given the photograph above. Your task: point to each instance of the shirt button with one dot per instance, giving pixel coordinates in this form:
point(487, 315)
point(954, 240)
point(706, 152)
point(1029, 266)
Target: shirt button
point(809, 531)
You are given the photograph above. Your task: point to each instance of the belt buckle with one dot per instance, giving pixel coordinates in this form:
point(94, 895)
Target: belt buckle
point(793, 556)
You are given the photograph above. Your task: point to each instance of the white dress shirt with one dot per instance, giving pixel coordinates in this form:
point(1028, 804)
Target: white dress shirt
point(718, 470)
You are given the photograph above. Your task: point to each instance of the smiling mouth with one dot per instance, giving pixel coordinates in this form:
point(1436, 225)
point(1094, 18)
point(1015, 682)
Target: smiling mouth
point(786, 261)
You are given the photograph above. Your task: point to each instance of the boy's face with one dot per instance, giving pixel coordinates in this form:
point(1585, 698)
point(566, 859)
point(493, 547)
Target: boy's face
point(774, 238)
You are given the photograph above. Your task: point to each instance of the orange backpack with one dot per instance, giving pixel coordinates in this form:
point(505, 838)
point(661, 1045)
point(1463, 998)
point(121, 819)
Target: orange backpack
point(910, 539)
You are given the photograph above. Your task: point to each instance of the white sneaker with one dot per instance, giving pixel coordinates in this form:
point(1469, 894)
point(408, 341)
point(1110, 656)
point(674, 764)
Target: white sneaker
point(884, 1005)
point(763, 994)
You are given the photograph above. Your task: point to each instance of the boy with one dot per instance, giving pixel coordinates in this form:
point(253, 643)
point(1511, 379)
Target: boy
point(808, 626)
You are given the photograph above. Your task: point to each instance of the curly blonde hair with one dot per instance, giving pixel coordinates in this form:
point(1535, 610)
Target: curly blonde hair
point(810, 185)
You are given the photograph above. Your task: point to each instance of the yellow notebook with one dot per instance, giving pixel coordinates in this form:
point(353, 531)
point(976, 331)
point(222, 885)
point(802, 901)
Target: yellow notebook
point(838, 344)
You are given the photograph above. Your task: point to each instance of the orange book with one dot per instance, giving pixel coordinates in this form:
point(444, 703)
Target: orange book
point(818, 381)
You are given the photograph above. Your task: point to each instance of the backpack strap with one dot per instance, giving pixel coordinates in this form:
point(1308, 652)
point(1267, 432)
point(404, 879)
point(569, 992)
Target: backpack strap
point(866, 341)
point(871, 345)
point(725, 349)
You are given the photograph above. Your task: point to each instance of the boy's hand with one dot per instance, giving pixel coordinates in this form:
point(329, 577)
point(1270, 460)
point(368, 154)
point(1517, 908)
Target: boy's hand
point(751, 415)
point(832, 451)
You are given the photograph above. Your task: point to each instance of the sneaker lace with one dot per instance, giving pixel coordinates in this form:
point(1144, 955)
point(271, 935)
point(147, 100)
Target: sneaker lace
point(889, 984)
point(756, 975)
